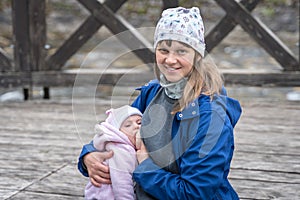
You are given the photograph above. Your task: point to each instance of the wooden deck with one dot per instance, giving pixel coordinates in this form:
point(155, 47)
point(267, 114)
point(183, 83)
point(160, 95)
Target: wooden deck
point(40, 141)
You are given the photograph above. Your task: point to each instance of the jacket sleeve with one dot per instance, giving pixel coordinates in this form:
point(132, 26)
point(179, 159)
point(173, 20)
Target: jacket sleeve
point(88, 148)
point(201, 167)
point(121, 167)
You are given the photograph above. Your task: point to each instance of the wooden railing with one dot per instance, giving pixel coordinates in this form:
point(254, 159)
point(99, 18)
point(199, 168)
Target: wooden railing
point(32, 67)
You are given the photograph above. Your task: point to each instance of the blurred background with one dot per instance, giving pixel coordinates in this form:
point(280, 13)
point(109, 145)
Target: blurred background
point(238, 51)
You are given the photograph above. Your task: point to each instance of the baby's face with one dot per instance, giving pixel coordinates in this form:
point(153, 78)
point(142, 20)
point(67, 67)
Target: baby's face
point(131, 126)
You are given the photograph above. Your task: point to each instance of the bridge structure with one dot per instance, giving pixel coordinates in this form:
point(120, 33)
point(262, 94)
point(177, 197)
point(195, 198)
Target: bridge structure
point(31, 66)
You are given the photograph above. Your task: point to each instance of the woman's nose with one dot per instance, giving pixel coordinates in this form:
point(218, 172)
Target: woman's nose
point(170, 59)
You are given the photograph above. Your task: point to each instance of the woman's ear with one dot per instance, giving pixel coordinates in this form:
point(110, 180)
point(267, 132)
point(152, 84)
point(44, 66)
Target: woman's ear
point(198, 57)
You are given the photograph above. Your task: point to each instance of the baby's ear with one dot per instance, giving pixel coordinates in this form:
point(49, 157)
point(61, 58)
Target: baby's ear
point(109, 111)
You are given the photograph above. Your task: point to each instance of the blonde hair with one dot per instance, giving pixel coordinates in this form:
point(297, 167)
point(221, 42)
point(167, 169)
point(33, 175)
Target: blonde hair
point(204, 78)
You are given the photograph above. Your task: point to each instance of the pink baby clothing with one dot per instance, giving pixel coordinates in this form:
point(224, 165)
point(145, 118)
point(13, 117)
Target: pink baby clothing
point(121, 165)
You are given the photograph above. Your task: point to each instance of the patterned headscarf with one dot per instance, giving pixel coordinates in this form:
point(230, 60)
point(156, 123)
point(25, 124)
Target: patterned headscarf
point(183, 25)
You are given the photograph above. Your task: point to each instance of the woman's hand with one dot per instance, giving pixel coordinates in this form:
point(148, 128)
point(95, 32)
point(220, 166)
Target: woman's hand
point(141, 153)
point(98, 171)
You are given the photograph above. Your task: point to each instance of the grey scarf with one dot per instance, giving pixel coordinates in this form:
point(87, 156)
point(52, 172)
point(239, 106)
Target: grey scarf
point(173, 90)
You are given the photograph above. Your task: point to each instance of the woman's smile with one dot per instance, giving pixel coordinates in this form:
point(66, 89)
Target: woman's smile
point(174, 61)
point(171, 69)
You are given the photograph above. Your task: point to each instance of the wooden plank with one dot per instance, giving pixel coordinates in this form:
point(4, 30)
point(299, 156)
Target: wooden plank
point(6, 193)
point(123, 30)
point(46, 196)
point(265, 176)
point(51, 150)
point(17, 79)
point(265, 163)
point(21, 35)
point(8, 80)
point(260, 190)
point(68, 78)
point(22, 43)
point(49, 185)
point(37, 34)
point(263, 79)
point(46, 155)
point(20, 79)
point(262, 35)
point(225, 26)
point(79, 38)
point(268, 162)
point(255, 184)
point(5, 62)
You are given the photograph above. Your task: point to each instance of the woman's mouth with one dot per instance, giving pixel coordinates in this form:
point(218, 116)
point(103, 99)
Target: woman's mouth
point(171, 69)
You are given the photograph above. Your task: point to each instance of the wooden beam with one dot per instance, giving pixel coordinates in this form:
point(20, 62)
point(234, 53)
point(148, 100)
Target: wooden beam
point(21, 35)
point(280, 79)
point(29, 39)
point(225, 26)
point(5, 61)
point(262, 34)
point(37, 34)
point(67, 78)
point(73, 44)
point(15, 79)
point(89, 27)
point(123, 30)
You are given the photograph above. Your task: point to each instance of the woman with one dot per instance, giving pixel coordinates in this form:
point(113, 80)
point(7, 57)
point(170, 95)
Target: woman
point(187, 125)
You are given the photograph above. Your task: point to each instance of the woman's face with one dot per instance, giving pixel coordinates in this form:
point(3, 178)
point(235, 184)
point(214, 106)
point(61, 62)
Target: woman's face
point(131, 126)
point(175, 61)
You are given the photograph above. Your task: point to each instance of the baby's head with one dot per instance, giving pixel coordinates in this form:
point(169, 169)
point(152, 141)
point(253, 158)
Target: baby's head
point(127, 119)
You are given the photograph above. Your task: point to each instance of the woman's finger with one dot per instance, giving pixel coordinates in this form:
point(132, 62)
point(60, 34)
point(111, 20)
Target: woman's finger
point(138, 141)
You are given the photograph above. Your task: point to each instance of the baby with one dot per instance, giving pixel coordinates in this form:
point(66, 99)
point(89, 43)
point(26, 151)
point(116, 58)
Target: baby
point(117, 133)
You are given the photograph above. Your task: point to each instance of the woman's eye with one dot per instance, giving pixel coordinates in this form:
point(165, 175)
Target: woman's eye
point(181, 51)
point(163, 51)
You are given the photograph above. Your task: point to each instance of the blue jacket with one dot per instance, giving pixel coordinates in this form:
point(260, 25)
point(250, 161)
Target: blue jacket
point(203, 143)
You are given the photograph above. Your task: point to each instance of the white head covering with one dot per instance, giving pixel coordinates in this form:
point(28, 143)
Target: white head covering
point(183, 25)
point(117, 116)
